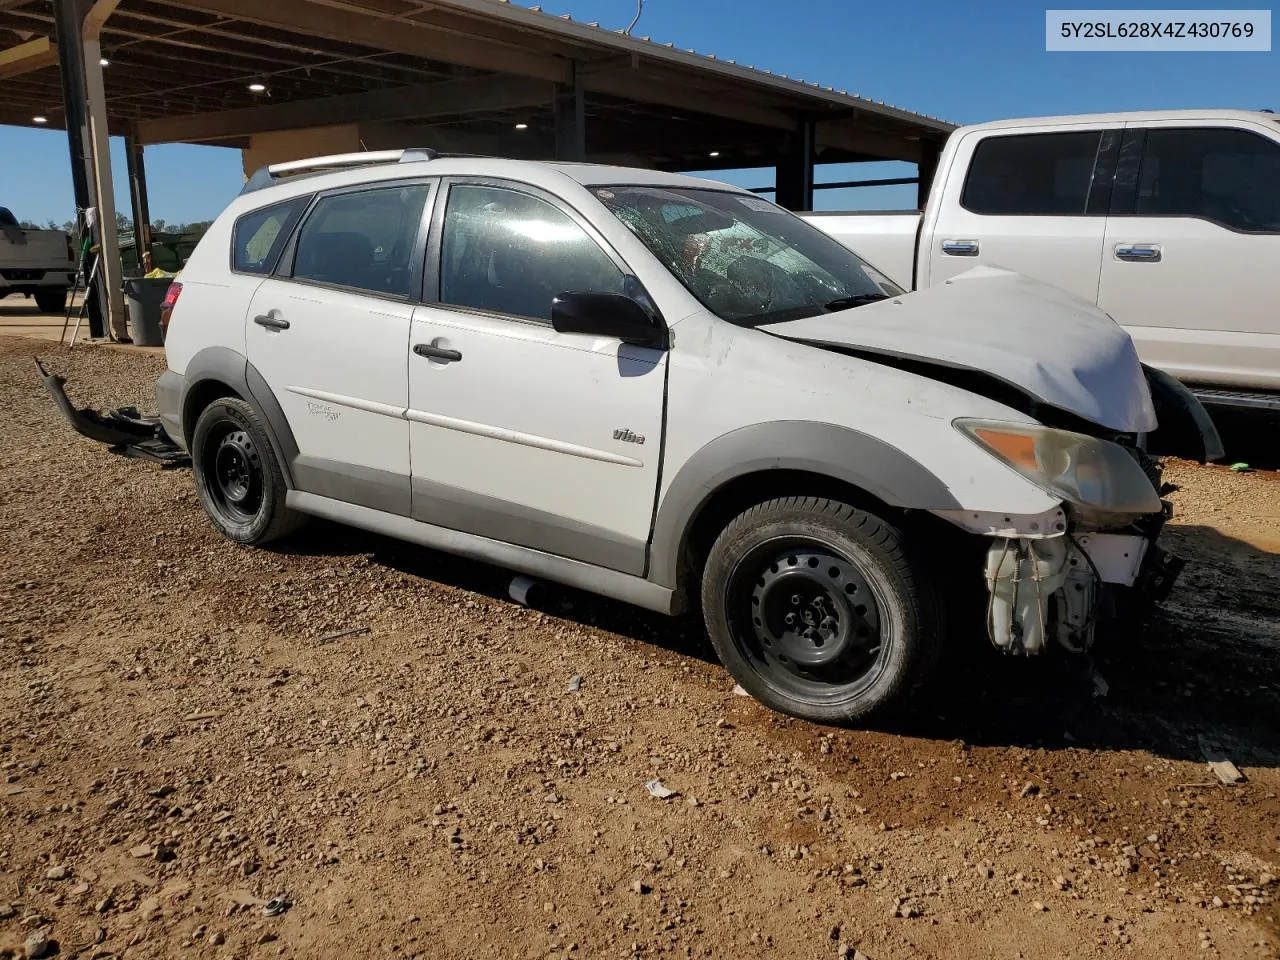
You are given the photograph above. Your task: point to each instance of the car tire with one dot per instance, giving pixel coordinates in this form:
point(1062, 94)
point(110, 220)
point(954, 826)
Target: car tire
point(51, 300)
point(818, 611)
point(238, 477)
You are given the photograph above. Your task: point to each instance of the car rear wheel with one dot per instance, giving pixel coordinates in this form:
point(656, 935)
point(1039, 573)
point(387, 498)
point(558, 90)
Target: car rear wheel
point(817, 610)
point(238, 477)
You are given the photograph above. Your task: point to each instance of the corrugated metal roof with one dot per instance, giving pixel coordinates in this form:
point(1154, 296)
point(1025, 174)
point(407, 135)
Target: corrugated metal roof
point(592, 31)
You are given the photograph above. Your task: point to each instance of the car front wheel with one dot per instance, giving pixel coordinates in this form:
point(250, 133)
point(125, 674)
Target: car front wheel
point(817, 610)
point(238, 478)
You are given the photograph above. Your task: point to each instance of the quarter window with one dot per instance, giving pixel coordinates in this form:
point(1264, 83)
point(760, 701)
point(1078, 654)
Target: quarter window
point(1044, 174)
point(1231, 177)
point(259, 237)
point(504, 251)
point(363, 240)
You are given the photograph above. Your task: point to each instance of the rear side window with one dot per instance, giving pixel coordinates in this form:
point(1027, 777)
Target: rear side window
point(1044, 174)
point(1231, 177)
point(259, 237)
point(364, 240)
point(507, 252)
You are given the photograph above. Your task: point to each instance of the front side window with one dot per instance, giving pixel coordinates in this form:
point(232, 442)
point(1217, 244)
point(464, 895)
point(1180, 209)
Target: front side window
point(745, 259)
point(503, 251)
point(259, 236)
point(363, 240)
point(1036, 174)
point(1231, 177)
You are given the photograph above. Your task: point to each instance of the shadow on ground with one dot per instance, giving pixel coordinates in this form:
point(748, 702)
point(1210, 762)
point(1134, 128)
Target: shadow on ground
point(1249, 436)
point(1206, 665)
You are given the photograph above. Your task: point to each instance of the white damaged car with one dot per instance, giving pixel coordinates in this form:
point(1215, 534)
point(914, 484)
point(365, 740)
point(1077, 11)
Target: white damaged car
point(676, 394)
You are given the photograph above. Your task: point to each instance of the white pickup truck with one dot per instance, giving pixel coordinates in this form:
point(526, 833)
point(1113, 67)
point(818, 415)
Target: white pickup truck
point(1169, 221)
point(37, 263)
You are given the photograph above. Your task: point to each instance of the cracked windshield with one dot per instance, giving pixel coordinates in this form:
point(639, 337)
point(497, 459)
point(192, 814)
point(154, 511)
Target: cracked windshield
point(745, 259)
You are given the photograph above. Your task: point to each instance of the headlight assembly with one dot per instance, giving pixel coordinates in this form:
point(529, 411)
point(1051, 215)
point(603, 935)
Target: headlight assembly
point(1078, 468)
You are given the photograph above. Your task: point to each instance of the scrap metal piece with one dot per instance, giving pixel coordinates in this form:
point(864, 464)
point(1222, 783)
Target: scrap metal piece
point(1227, 772)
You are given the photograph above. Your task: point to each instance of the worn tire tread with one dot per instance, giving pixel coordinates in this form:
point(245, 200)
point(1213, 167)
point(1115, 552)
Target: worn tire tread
point(283, 520)
point(914, 592)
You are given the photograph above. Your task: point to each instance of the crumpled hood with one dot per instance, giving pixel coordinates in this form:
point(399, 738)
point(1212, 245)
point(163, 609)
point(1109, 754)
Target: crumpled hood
point(1036, 337)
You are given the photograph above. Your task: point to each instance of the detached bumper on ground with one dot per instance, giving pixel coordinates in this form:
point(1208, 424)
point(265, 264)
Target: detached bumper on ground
point(125, 430)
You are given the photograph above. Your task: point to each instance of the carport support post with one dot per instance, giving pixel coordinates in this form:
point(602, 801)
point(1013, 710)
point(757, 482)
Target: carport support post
point(109, 271)
point(138, 194)
point(930, 150)
point(571, 119)
point(67, 20)
point(793, 180)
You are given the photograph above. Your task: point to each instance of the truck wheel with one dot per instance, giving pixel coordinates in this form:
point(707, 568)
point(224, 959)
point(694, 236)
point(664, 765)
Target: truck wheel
point(817, 611)
point(238, 478)
point(51, 300)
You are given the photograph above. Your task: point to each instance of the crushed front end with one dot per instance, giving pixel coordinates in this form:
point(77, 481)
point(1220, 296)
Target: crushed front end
point(1053, 578)
point(1059, 589)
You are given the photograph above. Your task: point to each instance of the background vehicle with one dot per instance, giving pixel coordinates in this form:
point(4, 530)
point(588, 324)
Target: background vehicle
point(38, 263)
point(672, 393)
point(1169, 221)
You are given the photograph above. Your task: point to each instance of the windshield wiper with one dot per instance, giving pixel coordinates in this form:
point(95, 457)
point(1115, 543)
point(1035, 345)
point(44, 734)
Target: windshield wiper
point(856, 300)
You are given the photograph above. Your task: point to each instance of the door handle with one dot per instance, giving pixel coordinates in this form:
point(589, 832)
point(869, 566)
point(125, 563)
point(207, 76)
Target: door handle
point(1138, 252)
point(432, 352)
point(271, 320)
point(960, 248)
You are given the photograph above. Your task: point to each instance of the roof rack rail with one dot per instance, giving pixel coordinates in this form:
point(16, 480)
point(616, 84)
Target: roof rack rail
point(271, 174)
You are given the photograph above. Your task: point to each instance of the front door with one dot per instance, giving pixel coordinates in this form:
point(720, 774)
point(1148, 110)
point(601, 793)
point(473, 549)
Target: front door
point(330, 338)
point(1191, 250)
point(1028, 203)
point(519, 433)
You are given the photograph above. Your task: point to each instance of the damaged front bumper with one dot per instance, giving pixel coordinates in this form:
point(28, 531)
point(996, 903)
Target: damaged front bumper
point(1059, 588)
point(125, 430)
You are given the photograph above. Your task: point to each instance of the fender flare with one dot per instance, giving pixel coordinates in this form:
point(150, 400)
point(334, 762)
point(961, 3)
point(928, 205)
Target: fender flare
point(825, 449)
point(224, 365)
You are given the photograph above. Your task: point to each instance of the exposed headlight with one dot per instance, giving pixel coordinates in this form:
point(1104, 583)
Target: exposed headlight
point(1078, 468)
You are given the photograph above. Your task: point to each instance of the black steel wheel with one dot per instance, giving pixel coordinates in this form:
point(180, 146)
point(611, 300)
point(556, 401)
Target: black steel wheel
point(817, 611)
point(238, 482)
point(814, 619)
point(241, 485)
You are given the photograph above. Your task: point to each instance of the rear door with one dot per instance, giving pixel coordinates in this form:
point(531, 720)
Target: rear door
point(329, 333)
point(1192, 251)
point(1031, 202)
point(519, 433)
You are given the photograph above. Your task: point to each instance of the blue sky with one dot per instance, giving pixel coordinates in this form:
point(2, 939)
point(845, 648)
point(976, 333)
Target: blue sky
point(961, 62)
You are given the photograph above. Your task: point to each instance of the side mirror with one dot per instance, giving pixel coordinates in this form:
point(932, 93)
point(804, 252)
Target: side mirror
point(606, 315)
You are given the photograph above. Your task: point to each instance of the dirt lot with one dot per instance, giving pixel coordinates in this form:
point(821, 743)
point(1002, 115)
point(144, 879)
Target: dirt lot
point(179, 743)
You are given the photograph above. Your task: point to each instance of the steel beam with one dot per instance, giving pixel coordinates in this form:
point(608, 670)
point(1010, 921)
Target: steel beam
point(108, 238)
point(68, 19)
point(441, 99)
point(138, 196)
point(334, 21)
point(927, 166)
point(571, 120)
point(794, 182)
point(35, 54)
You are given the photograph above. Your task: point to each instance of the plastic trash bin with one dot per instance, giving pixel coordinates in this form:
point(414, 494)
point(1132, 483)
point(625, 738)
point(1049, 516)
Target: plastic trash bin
point(144, 299)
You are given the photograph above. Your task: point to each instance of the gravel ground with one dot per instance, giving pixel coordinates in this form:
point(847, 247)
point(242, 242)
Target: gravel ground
point(181, 740)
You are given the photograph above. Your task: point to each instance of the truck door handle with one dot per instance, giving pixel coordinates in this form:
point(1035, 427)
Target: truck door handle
point(1138, 252)
point(271, 320)
point(960, 248)
point(432, 352)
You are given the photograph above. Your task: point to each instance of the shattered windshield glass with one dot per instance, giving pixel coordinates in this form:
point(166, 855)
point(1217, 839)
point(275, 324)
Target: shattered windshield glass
point(747, 260)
